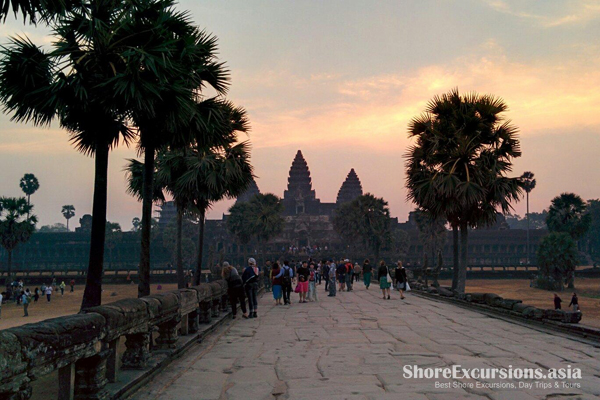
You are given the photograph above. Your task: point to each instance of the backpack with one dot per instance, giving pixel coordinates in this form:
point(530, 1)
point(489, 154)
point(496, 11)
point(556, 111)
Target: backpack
point(287, 275)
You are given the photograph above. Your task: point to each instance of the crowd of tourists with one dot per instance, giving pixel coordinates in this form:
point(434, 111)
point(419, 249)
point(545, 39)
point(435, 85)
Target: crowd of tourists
point(22, 296)
point(303, 278)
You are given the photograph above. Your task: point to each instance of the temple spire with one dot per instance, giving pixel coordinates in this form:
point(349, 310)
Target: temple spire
point(299, 181)
point(252, 191)
point(350, 189)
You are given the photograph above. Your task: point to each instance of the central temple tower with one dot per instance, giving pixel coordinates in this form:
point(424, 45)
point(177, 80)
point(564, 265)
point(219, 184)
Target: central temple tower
point(300, 198)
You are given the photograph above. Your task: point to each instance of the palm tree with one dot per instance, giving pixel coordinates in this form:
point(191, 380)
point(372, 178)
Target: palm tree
point(266, 218)
point(36, 9)
point(29, 185)
point(107, 57)
point(68, 212)
point(240, 223)
point(568, 213)
point(528, 183)
point(16, 225)
point(458, 166)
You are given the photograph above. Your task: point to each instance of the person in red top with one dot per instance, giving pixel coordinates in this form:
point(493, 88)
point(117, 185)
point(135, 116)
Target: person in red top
point(72, 283)
point(349, 275)
point(277, 283)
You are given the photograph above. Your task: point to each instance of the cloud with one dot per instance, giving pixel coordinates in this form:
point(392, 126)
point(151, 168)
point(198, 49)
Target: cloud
point(575, 12)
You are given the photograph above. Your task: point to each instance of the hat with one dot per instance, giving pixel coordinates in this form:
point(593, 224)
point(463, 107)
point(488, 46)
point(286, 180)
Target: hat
point(251, 261)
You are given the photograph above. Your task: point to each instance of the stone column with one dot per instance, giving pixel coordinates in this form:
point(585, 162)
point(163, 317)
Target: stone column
point(206, 312)
point(66, 382)
point(193, 325)
point(216, 308)
point(90, 377)
point(112, 362)
point(167, 334)
point(137, 353)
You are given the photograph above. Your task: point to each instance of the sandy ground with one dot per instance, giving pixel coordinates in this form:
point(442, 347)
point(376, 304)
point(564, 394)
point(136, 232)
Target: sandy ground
point(587, 289)
point(69, 303)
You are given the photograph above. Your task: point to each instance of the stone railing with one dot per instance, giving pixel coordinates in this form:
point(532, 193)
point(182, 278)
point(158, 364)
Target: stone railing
point(84, 347)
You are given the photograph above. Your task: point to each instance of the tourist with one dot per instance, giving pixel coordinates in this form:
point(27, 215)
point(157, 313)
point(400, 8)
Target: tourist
point(36, 295)
point(267, 276)
point(574, 302)
point(332, 273)
point(341, 275)
point(557, 301)
point(367, 271)
point(53, 284)
point(384, 281)
point(312, 283)
point(72, 284)
point(319, 272)
point(25, 299)
point(303, 276)
point(250, 278)
point(48, 292)
point(62, 287)
point(400, 279)
point(356, 272)
point(349, 275)
point(325, 272)
point(277, 283)
point(235, 289)
point(287, 275)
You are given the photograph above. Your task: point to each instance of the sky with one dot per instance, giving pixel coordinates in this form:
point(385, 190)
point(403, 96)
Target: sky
point(341, 80)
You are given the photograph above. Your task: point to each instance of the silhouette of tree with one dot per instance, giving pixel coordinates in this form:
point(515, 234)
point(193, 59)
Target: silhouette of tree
point(16, 225)
point(68, 212)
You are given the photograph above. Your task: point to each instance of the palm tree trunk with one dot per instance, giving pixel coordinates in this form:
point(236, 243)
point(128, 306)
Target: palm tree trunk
point(9, 268)
point(180, 277)
point(201, 221)
point(92, 296)
point(147, 197)
point(527, 228)
point(28, 198)
point(461, 282)
point(67, 225)
point(454, 256)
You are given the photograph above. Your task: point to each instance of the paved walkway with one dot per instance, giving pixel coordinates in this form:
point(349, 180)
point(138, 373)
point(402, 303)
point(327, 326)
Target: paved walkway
point(354, 346)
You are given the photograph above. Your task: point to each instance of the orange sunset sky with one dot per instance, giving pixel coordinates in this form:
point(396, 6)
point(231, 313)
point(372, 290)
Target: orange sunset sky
point(340, 80)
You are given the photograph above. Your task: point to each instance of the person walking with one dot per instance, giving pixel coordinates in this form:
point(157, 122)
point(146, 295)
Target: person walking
point(325, 272)
point(367, 271)
point(250, 278)
point(62, 287)
point(356, 272)
point(48, 292)
point(312, 283)
point(235, 289)
point(36, 295)
point(349, 275)
point(574, 302)
point(72, 284)
point(25, 299)
point(341, 275)
point(332, 274)
point(276, 283)
point(319, 273)
point(303, 276)
point(384, 283)
point(400, 276)
point(557, 301)
point(287, 276)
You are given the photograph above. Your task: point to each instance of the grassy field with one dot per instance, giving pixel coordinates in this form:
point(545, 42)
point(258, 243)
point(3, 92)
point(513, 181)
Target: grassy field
point(12, 315)
point(587, 289)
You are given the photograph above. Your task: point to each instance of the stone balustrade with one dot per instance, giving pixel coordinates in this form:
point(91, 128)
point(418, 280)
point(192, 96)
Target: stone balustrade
point(83, 347)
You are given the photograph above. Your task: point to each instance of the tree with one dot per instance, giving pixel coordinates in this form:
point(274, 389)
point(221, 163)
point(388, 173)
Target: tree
point(135, 224)
point(35, 9)
point(29, 185)
point(458, 167)
point(16, 225)
point(366, 222)
point(68, 212)
point(528, 183)
point(557, 258)
point(432, 233)
point(568, 213)
point(240, 223)
point(53, 228)
point(113, 236)
point(592, 237)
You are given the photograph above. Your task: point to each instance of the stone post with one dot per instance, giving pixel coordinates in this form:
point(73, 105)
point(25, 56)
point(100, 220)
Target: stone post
point(206, 311)
point(90, 377)
point(193, 324)
point(137, 353)
point(66, 382)
point(184, 328)
point(167, 334)
point(112, 362)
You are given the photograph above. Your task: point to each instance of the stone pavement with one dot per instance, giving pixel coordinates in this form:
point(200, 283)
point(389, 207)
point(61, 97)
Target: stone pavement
point(354, 346)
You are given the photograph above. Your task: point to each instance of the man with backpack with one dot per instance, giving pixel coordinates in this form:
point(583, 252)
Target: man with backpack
point(286, 274)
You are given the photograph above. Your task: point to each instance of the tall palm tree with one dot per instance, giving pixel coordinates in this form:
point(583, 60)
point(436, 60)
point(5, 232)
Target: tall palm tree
point(16, 225)
point(68, 212)
point(458, 166)
point(528, 183)
point(267, 221)
point(568, 213)
point(106, 56)
point(29, 185)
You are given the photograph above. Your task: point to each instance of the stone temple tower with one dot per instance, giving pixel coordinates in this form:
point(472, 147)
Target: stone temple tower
point(351, 188)
point(300, 198)
point(252, 191)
